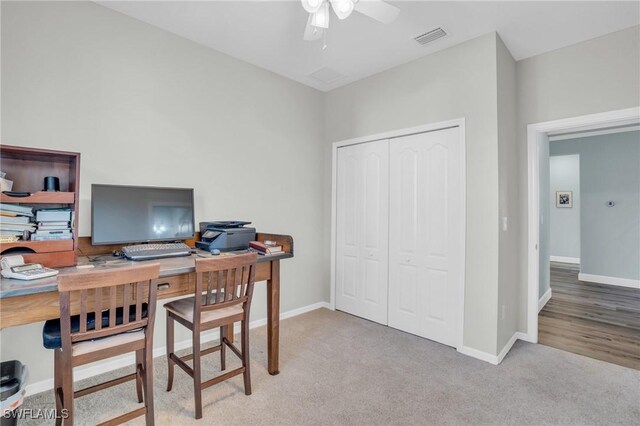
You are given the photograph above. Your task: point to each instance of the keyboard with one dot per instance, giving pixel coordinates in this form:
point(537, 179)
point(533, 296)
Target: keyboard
point(156, 251)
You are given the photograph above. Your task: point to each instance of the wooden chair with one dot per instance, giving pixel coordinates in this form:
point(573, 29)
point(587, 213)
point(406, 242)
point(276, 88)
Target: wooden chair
point(224, 286)
point(116, 316)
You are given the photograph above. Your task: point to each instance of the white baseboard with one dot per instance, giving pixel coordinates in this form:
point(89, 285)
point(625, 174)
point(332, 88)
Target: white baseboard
point(493, 359)
point(525, 337)
point(128, 360)
point(602, 279)
point(505, 350)
point(482, 356)
point(544, 299)
point(288, 314)
point(563, 259)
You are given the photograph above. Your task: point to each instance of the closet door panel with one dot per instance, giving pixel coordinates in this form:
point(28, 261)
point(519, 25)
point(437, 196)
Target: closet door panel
point(362, 229)
point(425, 225)
point(407, 295)
point(404, 195)
point(434, 203)
point(347, 237)
point(375, 222)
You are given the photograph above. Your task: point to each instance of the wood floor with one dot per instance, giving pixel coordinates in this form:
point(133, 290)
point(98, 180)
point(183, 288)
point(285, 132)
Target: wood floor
point(595, 320)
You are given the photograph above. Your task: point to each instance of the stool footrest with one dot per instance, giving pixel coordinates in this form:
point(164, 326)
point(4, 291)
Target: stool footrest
point(233, 348)
point(114, 382)
point(222, 377)
point(202, 352)
point(180, 363)
point(125, 417)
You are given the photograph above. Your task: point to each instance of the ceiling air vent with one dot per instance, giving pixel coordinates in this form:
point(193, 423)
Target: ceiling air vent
point(432, 35)
point(326, 75)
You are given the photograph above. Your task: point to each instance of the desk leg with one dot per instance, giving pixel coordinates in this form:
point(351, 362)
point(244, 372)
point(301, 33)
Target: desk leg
point(273, 318)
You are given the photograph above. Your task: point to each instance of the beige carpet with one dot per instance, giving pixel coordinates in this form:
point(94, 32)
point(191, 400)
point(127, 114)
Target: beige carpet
point(341, 370)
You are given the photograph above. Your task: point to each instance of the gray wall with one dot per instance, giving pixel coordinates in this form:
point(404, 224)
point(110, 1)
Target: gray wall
point(598, 75)
point(609, 170)
point(146, 107)
point(508, 191)
point(544, 271)
point(454, 83)
point(564, 223)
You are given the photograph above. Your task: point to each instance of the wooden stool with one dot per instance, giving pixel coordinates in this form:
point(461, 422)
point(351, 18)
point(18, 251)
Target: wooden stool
point(224, 286)
point(124, 325)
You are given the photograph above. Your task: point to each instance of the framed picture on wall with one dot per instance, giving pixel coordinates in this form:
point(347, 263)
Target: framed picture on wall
point(564, 199)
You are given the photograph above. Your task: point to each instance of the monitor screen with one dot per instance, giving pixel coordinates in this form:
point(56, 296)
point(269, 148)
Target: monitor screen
point(131, 214)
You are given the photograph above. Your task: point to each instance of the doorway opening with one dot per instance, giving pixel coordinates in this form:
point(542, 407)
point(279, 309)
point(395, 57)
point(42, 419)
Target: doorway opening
point(582, 277)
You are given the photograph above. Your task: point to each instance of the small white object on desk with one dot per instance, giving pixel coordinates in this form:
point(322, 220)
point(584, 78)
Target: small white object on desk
point(85, 266)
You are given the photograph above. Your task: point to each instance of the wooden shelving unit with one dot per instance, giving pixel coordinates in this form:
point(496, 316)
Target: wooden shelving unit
point(41, 197)
point(27, 168)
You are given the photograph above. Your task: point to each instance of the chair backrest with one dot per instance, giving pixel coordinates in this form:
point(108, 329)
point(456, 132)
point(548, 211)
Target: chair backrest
point(110, 297)
point(224, 281)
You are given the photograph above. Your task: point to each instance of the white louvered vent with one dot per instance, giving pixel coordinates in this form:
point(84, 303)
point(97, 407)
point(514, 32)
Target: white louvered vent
point(430, 36)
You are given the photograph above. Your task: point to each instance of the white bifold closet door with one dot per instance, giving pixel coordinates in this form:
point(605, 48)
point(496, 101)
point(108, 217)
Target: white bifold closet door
point(425, 235)
point(362, 230)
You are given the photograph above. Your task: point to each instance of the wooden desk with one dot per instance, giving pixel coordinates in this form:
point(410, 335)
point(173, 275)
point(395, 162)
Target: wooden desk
point(24, 302)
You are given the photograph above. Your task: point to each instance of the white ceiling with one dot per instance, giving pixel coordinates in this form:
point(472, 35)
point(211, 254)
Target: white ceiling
point(269, 33)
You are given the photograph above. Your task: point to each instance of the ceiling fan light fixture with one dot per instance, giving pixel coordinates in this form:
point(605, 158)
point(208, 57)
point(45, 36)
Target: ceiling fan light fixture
point(342, 8)
point(320, 19)
point(311, 32)
point(312, 6)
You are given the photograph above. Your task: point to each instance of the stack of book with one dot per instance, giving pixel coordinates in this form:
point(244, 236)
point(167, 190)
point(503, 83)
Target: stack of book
point(14, 220)
point(265, 248)
point(53, 224)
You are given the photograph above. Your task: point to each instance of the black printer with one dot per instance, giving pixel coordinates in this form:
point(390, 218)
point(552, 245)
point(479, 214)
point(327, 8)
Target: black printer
point(225, 235)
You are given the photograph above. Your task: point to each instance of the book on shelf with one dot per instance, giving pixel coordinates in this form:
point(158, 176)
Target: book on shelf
point(62, 223)
point(14, 219)
point(17, 209)
point(52, 232)
point(51, 237)
point(263, 248)
point(53, 228)
point(8, 239)
point(54, 215)
point(4, 233)
point(18, 227)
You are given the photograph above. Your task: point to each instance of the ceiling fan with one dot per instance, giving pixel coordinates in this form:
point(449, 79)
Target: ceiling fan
point(320, 11)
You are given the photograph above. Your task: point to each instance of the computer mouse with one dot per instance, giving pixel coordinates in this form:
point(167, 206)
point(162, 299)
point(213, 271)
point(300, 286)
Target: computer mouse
point(215, 252)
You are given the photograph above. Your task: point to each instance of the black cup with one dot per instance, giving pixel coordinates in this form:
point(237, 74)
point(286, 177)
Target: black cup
point(51, 183)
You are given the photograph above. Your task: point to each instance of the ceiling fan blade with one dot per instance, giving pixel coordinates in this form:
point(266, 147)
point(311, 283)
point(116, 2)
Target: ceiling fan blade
point(378, 10)
point(311, 32)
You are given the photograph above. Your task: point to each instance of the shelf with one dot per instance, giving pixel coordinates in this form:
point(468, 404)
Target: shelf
point(28, 168)
point(40, 246)
point(41, 197)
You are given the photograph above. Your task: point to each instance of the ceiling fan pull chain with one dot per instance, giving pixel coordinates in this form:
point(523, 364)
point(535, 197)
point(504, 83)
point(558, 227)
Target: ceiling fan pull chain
point(324, 40)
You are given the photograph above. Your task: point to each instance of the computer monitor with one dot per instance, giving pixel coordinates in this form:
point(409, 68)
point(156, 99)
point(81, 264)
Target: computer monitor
point(133, 214)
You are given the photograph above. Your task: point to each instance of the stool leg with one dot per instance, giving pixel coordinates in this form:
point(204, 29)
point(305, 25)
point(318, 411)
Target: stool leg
point(67, 387)
point(139, 364)
point(223, 348)
point(170, 323)
point(57, 385)
point(148, 385)
point(245, 357)
point(197, 377)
